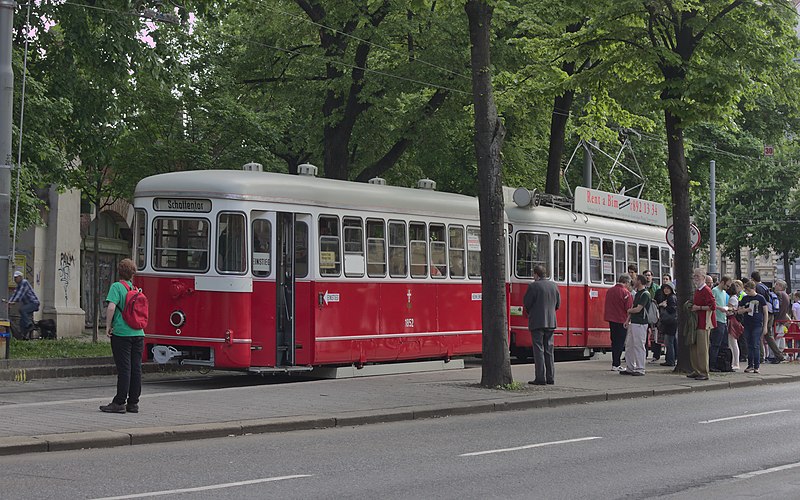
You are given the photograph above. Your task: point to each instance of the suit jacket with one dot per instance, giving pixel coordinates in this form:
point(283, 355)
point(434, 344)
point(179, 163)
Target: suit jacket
point(541, 301)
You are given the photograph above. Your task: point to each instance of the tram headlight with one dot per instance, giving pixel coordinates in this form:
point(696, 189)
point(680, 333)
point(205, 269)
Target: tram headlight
point(177, 319)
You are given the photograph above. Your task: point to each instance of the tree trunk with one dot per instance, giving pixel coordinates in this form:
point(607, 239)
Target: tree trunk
point(558, 128)
point(738, 263)
point(489, 133)
point(787, 269)
point(679, 187)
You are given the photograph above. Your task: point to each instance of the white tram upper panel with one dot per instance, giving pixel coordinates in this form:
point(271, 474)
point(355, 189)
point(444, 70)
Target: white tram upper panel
point(307, 190)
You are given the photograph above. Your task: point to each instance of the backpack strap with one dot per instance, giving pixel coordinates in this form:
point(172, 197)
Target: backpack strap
point(125, 284)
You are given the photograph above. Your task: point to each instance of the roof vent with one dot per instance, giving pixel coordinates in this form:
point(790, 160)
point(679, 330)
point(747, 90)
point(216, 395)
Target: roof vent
point(379, 181)
point(253, 167)
point(307, 169)
point(426, 184)
point(525, 198)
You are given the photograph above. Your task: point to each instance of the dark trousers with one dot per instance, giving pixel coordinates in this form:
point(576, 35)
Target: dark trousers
point(672, 349)
point(618, 333)
point(718, 336)
point(543, 354)
point(26, 316)
point(128, 358)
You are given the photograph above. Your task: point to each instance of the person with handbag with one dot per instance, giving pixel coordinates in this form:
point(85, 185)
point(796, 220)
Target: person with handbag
point(703, 304)
point(668, 322)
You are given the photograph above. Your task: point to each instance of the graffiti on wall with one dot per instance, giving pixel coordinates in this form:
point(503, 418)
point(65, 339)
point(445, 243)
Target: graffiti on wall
point(65, 264)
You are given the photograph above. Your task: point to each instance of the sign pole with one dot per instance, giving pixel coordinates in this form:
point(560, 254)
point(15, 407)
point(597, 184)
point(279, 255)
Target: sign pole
point(6, 160)
point(712, 229)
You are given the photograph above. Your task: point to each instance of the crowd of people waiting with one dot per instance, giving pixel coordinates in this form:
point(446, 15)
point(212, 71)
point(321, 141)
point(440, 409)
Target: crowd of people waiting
point(727, 322)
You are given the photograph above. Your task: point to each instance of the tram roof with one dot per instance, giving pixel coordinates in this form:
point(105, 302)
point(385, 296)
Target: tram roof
point(306, 190)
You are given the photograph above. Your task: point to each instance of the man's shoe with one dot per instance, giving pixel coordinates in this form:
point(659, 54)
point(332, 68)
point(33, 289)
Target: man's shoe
point(666, 364)
point(625, 372)
point(749, 369)
point(132, 408)
point(701, 377)
point(693, 375)
point(755, 370)
point(551, 382)
point(113, 407)
point(717, 370)
point(536, 382)
point(637, 374)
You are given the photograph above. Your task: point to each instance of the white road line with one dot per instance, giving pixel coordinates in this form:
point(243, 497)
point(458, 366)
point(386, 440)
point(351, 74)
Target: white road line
point(748, 475)
point(741, 416)
point(527, 446)
point(205, 488)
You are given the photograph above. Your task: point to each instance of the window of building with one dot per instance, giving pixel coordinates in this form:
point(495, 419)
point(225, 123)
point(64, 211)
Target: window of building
point(180, 244)
point(376, 248)
point(330, 260)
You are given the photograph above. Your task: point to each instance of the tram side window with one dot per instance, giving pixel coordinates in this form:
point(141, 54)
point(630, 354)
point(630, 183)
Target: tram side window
point(560, 260)
point(576, 262)
point(457, 251)
point(632, 257)
point(418, 246)
point(141, 237)
point(473, 252)
point(438, 251)
point(231, 248)
point(397, 250)
point(644, 263)
point(376, 249)
point(180, 244)
point(654, 265)
point(262, 248)
point(353, 246)
point(666, 265)
point(608, 262)
point(300, 249)
point(532, 249)
point(619, 259)
point(595, 261)
point(330, 261)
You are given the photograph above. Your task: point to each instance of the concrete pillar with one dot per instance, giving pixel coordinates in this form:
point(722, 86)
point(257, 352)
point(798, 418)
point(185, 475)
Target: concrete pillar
point(61, 290)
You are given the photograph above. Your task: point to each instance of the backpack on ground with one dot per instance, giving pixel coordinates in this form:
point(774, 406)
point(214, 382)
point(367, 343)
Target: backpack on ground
point(135, 309)
point(725, 359)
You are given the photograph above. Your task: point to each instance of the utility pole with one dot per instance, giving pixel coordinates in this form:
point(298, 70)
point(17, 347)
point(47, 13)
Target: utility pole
point(6, 160)
point(712, 229)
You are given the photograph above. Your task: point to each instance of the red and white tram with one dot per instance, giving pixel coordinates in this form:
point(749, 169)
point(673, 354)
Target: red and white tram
point(276, 272)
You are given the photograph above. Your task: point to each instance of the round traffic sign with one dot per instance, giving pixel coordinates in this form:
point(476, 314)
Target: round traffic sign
point(694, 236)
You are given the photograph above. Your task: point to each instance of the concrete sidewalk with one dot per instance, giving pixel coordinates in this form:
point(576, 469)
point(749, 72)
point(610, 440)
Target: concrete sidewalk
point(184, 414)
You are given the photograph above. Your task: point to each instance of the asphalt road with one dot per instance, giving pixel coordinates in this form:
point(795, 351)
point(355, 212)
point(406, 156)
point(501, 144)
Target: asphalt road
point(720, 444)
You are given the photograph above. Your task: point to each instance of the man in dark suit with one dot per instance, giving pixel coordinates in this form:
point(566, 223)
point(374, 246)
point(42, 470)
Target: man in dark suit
point(541, 301)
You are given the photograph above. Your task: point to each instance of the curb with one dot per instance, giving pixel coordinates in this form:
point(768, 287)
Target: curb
point(58, 370)
point(135, 436)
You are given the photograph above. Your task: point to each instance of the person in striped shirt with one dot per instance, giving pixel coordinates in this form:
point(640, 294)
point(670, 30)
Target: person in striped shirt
point(28, 303)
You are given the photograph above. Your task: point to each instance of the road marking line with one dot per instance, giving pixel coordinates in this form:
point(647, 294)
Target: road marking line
point(205, 488)
point(527, 446)
point(748, 475)
point(741, 416)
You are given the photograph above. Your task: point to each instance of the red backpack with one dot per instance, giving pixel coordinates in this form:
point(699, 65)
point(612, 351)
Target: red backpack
point(135, 308)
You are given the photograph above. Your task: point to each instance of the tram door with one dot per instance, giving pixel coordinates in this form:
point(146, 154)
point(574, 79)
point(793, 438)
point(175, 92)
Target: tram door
point(578, 299)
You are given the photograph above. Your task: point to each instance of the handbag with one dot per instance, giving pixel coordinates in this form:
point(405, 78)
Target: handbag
point(735, 328)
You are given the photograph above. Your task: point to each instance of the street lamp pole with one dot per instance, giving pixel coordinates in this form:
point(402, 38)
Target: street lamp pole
point(712, 229)
point(6, 160)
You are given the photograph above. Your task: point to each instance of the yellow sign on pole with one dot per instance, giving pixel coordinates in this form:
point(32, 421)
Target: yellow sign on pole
point(19, 265)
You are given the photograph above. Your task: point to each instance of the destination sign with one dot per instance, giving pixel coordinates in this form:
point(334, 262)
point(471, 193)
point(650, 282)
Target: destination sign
point(619, 206)
point(181, 205)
